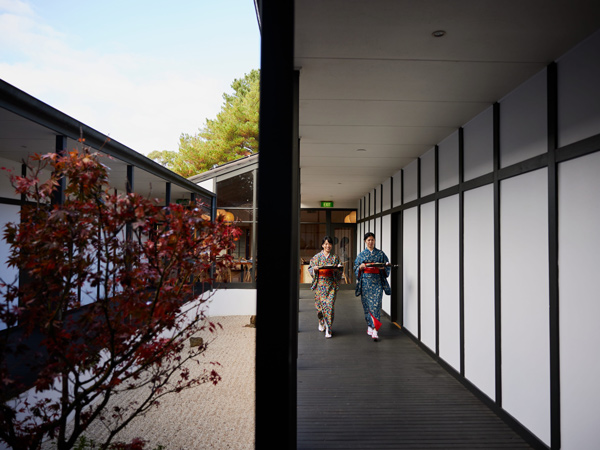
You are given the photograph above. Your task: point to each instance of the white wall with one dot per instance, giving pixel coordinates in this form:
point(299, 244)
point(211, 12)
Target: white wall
point(232, 302)
point(449, 287)
point(479, 289)
point(428, 173)
point(427, 270)
point(410, 275)
point(386, 247)
point(579, 261)
point(523, 122)
point(478, 145)
point(448, 161)
point(525, 294)
point(579, 92)
point(410, 181)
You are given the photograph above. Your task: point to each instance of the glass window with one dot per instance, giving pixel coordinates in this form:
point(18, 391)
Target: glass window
point(343, 216)
point(313, 215)
point(310, 239)
point(235, 202)
point(235, 191)
point(344, 241)
point(241, 215)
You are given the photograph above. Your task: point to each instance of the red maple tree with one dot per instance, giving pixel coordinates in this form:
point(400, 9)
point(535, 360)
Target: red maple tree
point(107, 300)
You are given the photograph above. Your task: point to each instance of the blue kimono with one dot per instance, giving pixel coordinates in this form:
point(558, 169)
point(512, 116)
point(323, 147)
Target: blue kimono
point(370, 286)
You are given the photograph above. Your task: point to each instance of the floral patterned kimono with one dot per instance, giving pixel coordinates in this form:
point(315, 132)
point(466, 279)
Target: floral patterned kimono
point(325, 285)
point(370, 286)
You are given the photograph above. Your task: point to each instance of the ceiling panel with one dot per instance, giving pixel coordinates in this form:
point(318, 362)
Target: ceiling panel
point(373, 77)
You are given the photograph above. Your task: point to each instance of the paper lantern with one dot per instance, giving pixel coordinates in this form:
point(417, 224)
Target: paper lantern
point(350, 218)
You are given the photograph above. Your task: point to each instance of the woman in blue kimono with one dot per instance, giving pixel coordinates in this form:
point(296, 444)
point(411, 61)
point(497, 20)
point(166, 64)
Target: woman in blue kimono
point(371, 282)
point(325, 283)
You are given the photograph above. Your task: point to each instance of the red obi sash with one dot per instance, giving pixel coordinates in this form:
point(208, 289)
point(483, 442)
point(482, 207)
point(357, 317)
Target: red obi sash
point(371, 270)
point(326, 272)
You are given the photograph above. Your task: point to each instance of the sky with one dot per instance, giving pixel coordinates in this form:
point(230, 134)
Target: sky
point(141, 72)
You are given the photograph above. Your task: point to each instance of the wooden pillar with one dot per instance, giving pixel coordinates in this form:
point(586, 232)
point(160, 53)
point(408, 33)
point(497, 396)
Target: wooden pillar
point(277, 234)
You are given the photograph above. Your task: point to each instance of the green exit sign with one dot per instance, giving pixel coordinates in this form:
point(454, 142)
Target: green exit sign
point(326, 204)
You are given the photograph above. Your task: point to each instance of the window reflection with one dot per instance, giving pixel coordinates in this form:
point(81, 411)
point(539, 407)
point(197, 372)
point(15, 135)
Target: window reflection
point(235, 201)
point(340, 225)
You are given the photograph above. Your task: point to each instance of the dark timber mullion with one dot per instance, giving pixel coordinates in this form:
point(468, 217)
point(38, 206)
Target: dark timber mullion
point(437, 251)
point(381, 219)
point(129, 186)
point(391, 192)
point(555, 424)
point(497, 257)
point(461, 250)
point(578, 149)
point(23, 174)
point(58, 195)
point(167, 193)
point(369, 213)
point(401, 254)
point(419, 249)
point(395, 256)
point(276, 365)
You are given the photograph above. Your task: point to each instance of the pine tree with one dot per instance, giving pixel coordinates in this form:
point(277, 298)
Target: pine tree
point(231, 135)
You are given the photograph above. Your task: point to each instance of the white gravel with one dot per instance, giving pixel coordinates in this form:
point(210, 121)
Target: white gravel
point(208, 416)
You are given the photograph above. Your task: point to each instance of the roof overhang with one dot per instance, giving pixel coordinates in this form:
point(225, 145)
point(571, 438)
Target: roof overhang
point(29, 126)
point(378, 89)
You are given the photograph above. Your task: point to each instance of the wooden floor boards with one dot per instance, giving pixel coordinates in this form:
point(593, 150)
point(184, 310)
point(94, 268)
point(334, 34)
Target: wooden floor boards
point(357, 394)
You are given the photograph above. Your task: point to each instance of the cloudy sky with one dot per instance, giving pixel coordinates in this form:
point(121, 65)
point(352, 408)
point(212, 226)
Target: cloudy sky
point(142, 72)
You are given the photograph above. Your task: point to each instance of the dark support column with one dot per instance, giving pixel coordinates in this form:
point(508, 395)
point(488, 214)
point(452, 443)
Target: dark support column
point(129, 181)
point(58, 197)
point(461, 249)
point(497, 257)
point(129, 184)
point(277, 237)
point(552, 86)
point(437, 249)
point(23, 174)
point(167, 194)
point(419, 246)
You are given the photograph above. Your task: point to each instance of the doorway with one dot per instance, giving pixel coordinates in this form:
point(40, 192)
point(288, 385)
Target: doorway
point(340, 224)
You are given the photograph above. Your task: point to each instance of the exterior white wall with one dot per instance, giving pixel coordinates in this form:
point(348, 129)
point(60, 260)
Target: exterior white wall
point(386, 247)
point(522, 343)
point(208, 185)
point(449, 286)
point(427, 270)
point(479, 325)
point(525, 294)
point(428, 173)
point(448, 161)
point(387, 194)
point(579, 92)
point(410, 275)
point(397, 189)
point(479, 145)
point(410, 181)
point(579, 260)
point(523, 122)
point(232, 302)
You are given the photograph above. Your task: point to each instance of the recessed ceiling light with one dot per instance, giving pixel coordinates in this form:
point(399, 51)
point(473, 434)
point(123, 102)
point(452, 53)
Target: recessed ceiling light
point(438, 33)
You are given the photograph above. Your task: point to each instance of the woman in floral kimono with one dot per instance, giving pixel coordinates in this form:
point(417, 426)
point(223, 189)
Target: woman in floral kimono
point(371, 281)
point(325, 283)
